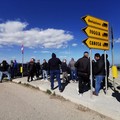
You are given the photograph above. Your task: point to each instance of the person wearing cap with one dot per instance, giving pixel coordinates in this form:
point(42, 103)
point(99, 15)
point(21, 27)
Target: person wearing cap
point(54, 67)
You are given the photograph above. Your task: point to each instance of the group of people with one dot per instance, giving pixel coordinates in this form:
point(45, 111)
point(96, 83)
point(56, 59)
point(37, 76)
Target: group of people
point(98, 72)
point(79, 71)
point(8, 70)
point(54, 67)
point(35, 68)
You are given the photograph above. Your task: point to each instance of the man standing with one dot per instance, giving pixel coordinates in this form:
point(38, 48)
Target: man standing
point(73, 70)
point(45, 70)
point(83, 70)
point(31, 69)
point(4, 70)
point(99, 72)
point(54, 67)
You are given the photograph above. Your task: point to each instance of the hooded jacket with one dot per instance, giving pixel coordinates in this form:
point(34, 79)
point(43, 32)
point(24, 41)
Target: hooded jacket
point(54, 63)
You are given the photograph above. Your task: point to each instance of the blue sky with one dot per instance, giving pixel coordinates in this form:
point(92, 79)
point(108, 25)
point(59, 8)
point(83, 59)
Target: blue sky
point(46, 26)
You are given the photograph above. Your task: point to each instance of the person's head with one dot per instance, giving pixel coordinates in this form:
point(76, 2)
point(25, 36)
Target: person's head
point(64, 60)
point(97, 56)
point(11, 61)
point(104, 55)
point(53, 55)
point(72, 59)
point(44, 60)
point(86, 54)
point(32, 60)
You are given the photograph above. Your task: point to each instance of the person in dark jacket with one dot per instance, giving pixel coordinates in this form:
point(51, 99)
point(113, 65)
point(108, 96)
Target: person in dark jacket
point(11, 69)
point(108, 71)
point(15, 68)
point(83, 71)
point(64, 68)
point(38, 69)
point(98, 72)
point(54, 67)
point(31, 69)
point(4, 70)
point(45, 69)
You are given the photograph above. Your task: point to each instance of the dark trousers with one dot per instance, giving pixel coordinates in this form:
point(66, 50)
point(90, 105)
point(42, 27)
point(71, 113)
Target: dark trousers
point(30, 75)
point(54, 73)
point(83, 81)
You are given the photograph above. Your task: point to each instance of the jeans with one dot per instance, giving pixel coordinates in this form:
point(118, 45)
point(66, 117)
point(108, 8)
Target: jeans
point(45, 76)
point(98, 80)
point(54, 73)
point(73, 74)
point(6, 73)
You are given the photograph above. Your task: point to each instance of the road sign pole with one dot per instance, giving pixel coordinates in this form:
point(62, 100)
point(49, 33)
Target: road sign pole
point(91, 76)
point(112, 48)
point(105, 72)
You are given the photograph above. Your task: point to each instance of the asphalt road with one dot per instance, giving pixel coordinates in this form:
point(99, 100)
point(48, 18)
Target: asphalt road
point(18, 102)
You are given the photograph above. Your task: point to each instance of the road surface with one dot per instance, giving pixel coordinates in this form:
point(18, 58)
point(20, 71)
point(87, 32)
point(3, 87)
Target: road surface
point(19, 102)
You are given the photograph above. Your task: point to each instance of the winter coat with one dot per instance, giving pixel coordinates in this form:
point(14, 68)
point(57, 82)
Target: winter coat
point(54, 63)
point(83, 66)
point(45, 66)
point(99, 67)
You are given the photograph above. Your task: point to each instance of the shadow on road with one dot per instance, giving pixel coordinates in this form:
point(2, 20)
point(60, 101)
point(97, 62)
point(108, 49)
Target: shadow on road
point(116, 94)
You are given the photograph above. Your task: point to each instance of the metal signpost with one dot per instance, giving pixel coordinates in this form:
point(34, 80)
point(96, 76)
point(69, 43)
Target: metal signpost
point(98, 38)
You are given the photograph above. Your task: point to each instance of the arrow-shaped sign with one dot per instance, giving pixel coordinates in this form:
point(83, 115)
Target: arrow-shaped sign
point(95, 22)
point(96, 33)
point(96, 44)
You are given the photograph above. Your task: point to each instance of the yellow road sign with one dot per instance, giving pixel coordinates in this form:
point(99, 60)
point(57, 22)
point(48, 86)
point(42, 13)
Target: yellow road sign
point(95, 22)
point(96, 44)
point(96, 33)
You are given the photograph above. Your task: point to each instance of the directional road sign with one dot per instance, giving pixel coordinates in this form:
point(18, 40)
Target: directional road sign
point(95, 22)
point(96, 33)
point(96, 44)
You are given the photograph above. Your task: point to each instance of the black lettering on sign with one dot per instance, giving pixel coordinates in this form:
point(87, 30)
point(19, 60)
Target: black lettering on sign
point(94, 32)
point(104, 25)
point(105, 45)
point(105, 34)
point(95, 43)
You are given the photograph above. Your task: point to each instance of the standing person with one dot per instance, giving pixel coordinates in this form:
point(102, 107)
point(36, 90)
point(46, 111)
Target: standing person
point(83, 71)
point(45, 69)
point(107, 66)
point(4, 70)
point(31, 69)
point(15, 68)
point(54, 67)
point(73, 70)
point(38, 68)
point(64, 68)
point(11, 69)
point(98, 72)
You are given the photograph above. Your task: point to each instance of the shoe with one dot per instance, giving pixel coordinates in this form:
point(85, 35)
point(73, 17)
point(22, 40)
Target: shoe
point(78, 91)
point(94, 93)
point(60, 90)
point(52, 88)
point(1, 81)
point(80, 94)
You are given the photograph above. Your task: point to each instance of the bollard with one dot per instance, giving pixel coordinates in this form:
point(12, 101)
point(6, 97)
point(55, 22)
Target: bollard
point(114, 72)
point(21, 69)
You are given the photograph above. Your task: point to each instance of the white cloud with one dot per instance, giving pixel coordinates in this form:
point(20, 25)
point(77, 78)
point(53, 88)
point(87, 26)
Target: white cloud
point(74, 44)
point(117, 40)
point(15, 33)
point(45, 51)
